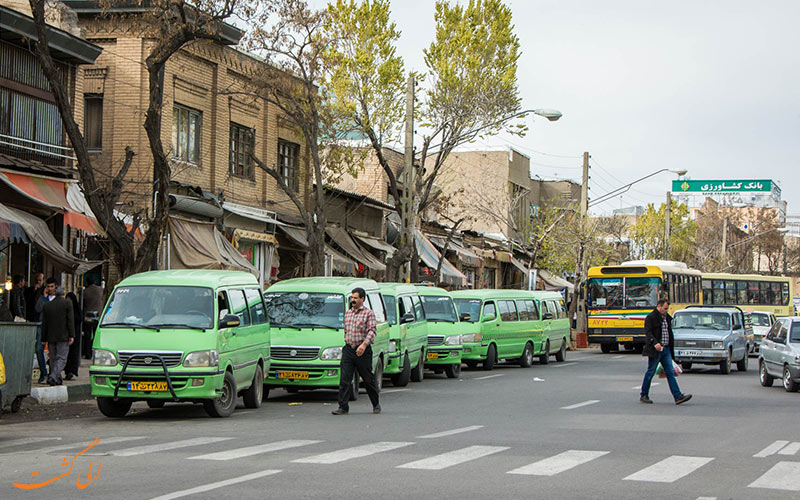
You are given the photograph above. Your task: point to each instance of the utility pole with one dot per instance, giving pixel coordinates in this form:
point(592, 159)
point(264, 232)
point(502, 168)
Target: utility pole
point(667, 224)
point(409, 181)
point(725, 242)
point(585, 185)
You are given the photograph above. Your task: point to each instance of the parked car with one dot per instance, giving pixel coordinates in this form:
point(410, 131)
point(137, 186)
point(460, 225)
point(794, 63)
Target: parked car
point(779, 356)
point(762, 323)
point(715, 335)
point(408, 333)
point(444, 331)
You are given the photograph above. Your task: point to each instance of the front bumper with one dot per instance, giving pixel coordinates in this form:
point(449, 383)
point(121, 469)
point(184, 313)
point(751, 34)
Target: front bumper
point(444, 355)
point(394, 363)
point(700, 355)
point(320, 375)
point(474, 351)
point(605, 336)
point(188, 385)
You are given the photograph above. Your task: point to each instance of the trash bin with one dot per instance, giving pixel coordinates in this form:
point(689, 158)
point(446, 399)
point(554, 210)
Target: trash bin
point(17, 346)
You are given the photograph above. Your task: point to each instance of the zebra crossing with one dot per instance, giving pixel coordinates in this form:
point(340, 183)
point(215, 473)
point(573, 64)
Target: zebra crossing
point(784, 475)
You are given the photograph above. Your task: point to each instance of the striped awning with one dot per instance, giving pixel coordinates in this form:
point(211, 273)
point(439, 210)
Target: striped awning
point(10, 230)
point(430, 256)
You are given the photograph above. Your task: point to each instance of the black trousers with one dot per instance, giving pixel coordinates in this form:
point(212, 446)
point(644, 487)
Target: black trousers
point(352, 362)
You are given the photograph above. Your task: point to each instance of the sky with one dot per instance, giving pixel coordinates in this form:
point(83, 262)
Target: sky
point(712, 87)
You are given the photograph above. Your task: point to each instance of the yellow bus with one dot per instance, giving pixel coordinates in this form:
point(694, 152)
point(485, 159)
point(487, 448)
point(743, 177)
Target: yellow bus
point(750, 291)
point(618, 298)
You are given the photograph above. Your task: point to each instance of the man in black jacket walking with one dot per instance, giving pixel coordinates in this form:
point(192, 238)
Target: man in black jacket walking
point(659, 347)
point(58, 331)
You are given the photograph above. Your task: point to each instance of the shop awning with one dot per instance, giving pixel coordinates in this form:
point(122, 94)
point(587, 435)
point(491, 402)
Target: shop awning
point(377, 244)
point(80, 216)
point(553, 282)
point(198, 245)
point(520, 266)
point(297, 234)
point(244, 234)
point(502, 256)
point(351, 248)
point(430, 256)
point(38, 233)
point(341, 263)
point(467, 257)
point(10, 230)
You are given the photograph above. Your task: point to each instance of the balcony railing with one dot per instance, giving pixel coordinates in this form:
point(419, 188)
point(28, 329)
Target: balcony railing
point(26, 149)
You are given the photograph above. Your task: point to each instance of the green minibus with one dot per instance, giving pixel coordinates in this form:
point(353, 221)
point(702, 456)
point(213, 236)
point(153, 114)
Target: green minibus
point(408, 333)
point(555, 325)
point(444, 334)
point(181, 335)
point(307, 320)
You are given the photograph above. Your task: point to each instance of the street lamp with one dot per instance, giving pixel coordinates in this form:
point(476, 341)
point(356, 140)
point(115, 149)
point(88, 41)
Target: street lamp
point(626, 187)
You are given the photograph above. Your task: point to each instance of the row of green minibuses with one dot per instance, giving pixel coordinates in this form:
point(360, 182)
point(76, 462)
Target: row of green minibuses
point(210, 336)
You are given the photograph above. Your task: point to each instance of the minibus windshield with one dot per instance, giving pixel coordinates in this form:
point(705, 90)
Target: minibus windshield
point(305, 310)
point(471, 307)
point(439, 308)
point(160, 306)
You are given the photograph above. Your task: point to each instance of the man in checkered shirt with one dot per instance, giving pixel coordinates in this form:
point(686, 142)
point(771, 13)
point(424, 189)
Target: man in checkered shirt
point(359, 333)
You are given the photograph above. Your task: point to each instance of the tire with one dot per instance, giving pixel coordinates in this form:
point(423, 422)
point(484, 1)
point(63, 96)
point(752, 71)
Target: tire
point(741, 365)
point(764, 377)
point(789, 384)
point(113, 409)
point(686, 366)
point(491, 358)
point(561, 355)
point(606, 348)
point(418, 372)
point(354, 388)
point(254, 394)
point(155, 403)
point(16, 404)
point(379, 374)
point(401, 379)
point(545, 358)
point(452, 371)
point(471, 364)
point(223, 406)
point(526, 360)
point(725, 364)
point(265, 394)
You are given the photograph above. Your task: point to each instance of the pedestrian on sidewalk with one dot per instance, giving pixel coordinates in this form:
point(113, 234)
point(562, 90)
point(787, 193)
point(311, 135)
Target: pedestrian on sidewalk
point(92, 306)
point(43, 295)
point(32, 294)
point(74, 356)
point(58, 332)
point(659, 348)
point(17, 298)
point(359, 333)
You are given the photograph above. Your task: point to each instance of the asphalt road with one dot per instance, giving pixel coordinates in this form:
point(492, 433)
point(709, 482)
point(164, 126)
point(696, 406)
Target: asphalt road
point(566, 430)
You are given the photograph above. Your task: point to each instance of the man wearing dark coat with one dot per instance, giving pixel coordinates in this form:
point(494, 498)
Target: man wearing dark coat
point(58, 332)
point(659, 348)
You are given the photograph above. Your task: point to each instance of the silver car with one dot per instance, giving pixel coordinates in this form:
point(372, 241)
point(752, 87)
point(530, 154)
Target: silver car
point(780, 354)
point(717, 335)
point(762, 322)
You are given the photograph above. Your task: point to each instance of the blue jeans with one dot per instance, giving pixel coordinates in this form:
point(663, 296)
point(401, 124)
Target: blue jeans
point(665, 358)
point(40, 353)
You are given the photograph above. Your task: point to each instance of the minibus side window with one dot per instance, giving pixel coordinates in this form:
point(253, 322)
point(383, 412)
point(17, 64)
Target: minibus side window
point(489, 310)
point(376, 304)
point(420, 312)
point(239, 306)
point(255, 303)
point(524, 313)
point(222, 304)
point(534, 310)
point(508, 311)
point(406, 306)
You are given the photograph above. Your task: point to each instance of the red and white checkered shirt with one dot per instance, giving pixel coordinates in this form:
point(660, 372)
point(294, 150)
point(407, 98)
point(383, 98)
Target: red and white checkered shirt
point(359, 326)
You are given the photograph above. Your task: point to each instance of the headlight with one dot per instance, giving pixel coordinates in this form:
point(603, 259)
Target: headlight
point(453, 340)
point(797, 360)
point(331, 353)
point(201, 358)
point(718, 345)
point(101, 357)
point(471, 337)
point(392, 346)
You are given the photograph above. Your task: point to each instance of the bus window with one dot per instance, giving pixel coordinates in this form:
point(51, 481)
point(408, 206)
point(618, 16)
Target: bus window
point(766, 292)
point(604, 293)
point(741, 292)
point(753, 294)
point(641, 292)
point(785, 294)
point(775, 287)
point(508, 311)
point(522, 306)
point(533, 310)
point(718, 297)
point(707, 292)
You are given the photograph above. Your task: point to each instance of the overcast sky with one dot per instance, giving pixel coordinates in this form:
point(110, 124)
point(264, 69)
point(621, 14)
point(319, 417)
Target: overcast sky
point(712, 87)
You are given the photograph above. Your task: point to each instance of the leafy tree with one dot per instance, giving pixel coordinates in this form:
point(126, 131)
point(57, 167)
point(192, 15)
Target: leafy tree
point(647, 235)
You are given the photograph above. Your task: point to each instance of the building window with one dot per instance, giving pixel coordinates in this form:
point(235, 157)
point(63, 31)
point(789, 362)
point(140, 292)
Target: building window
point(186, 130)
point(93, 121)
point(242, 143)
point(287, 159)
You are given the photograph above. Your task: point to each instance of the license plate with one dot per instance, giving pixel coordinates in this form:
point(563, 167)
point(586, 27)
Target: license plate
point(689, 353)
point(292, 375)
point(432, 355)
point(147, 386)
point(625, 339)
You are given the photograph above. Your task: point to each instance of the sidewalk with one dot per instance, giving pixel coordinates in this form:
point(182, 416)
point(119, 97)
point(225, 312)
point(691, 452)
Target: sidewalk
point(77, 389)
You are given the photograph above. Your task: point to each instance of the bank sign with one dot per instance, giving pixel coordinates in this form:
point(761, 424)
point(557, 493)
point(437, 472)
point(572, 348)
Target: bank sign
point(728, 186)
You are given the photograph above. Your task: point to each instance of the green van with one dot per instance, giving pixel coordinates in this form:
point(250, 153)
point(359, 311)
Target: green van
point(507, 326)
point(444, 334)
point(408, 333)
point(555, 325)
point(307, 320)
point(183, 335)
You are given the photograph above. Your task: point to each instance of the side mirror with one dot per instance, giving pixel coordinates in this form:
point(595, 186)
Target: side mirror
point(464, 317)
point(229, 321)
point(407, 318)
point(779, 340)
point(489, 318)
point(547, 316)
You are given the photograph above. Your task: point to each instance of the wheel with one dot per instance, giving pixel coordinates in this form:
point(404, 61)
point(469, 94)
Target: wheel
point(561, 355)
point(379, 375)
point(789, 384)
point(686, 366)
point(526, 360)
point(113, 409)
point(354, 388)
point(545, 358)
point(253, 395)
point(491, 358)
point(471, 364)
point(223, 405)
point(418, 372)
point(265, 393)
point(452, 371)
point(16, 404)
point(606, 348)
point(764, 377)
point(725, 364)
point(741, 365)
point(155, 403)
point(401, 379)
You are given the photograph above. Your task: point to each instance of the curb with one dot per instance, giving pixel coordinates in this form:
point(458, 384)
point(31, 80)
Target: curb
point(61, 393)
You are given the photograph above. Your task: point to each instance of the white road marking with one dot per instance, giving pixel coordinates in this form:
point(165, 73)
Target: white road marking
point(670, 469)
point(218, 484)
point(620, 356)
point(790, 449)
point(75, 446)
point(559, 463)
point(389, 391)
point(366, 450)
point(451, 432)
point(28, 440)
point(154, 448)
point(771, 449)
point(706, 498)
point(255, 450)
point(490, 376)
point(782, 476)
point(451, 458)
point(639, 387)
point(578, 405)
point(563, 364)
